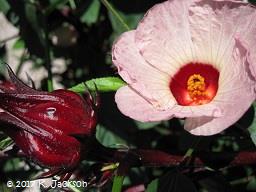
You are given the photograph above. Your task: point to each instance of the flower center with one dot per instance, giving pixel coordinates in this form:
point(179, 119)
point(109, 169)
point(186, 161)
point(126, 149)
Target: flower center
point(195, 84)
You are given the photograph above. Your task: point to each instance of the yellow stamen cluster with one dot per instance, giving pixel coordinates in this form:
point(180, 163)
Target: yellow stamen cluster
point(196, 86)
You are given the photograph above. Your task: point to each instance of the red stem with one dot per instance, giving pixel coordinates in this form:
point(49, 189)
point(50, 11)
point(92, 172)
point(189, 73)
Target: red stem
point(155, 158)
point(244, 158)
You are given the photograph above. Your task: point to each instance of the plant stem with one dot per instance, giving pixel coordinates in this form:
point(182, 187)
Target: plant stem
point(115, 13)
point(117, 184)
point(47, 52)
point(21, 62)
point(136, 157)
point(155, 158)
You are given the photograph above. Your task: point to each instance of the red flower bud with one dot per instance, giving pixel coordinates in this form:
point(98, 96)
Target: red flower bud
point(45, 126)
point(6, 85)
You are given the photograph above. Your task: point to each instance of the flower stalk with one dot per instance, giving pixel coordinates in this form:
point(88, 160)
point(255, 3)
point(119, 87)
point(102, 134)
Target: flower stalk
point(156, 158)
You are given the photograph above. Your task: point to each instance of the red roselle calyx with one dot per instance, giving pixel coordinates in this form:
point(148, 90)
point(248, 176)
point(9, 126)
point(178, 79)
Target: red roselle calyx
point(45, 126)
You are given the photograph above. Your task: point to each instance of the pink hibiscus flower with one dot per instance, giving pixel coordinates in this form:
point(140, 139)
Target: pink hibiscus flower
point(193, 59)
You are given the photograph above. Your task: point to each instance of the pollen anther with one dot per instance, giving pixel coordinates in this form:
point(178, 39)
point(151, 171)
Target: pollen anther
point(196, 86)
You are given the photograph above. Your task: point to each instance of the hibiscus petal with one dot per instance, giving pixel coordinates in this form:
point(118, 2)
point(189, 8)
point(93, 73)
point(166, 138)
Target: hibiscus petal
point(140, 75)
point(247, 36)
point(163, 36)
point(216, 25)
point(133, 105)
point(209, 110)
point(232, 113)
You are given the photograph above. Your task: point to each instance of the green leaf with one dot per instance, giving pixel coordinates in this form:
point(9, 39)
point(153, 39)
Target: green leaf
point(117, 184)
point(54, 4)
point(252, 128)
point(4, 6)
point(105, 84)
point(172, 181)
point(34, 17)
point(74, 188)
point(13, 165)
point(146, 125)
point(5, 143)
point(107, 138)
point(19, 44)
point(152, 187)
point(4, 188)
point(251, 186)
point(253, 135)
point(91, 14)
